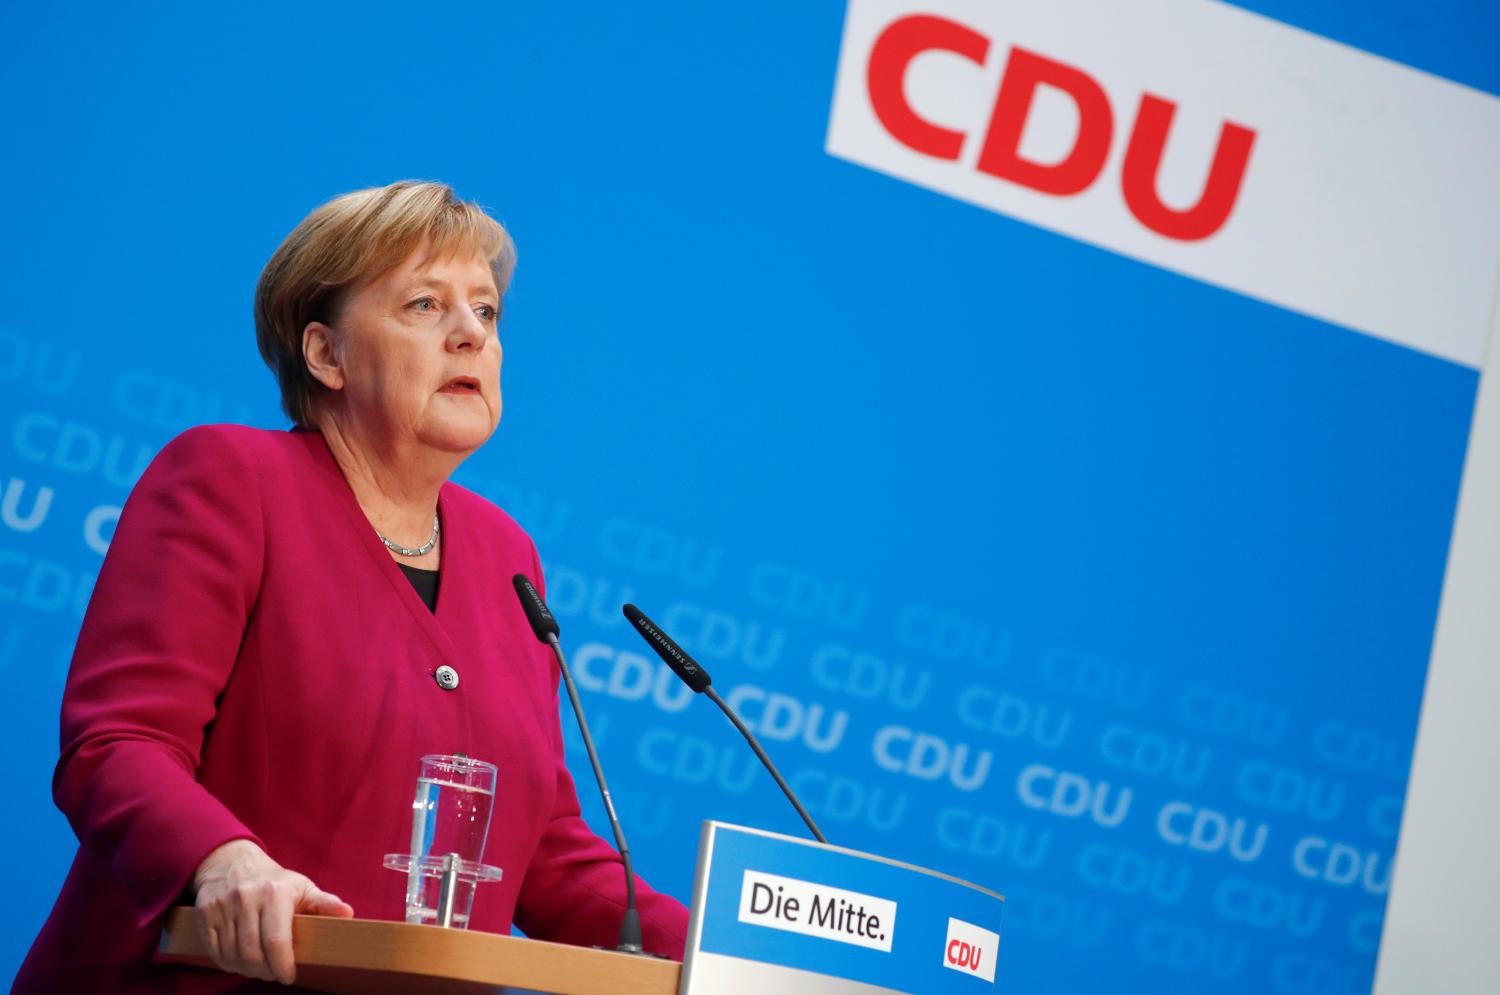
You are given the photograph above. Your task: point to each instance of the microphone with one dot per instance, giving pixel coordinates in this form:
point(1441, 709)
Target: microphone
point(545, 626)
point(695, 677)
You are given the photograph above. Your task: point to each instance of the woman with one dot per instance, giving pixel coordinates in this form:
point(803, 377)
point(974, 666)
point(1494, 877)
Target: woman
point(287, 621)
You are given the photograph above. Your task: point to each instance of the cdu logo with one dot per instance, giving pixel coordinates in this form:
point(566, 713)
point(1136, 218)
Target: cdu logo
point(1191, 136)
point(971, 949)
point(904, 40)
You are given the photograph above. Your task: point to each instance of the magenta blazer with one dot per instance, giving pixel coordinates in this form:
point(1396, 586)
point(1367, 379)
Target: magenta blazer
point(254, 664)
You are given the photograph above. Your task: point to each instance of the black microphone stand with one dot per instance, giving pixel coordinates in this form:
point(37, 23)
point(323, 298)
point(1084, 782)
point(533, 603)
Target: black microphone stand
point(694, 676)
point(630, 925)
point(546, 629)
point(812, 827)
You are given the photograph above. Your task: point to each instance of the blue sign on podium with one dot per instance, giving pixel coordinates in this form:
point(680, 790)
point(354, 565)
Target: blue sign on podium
point(777, 914)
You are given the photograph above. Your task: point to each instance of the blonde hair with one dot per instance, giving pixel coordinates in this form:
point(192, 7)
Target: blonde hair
point(354, 238)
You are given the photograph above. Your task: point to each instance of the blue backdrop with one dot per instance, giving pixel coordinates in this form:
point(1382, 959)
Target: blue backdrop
point(1038, 565)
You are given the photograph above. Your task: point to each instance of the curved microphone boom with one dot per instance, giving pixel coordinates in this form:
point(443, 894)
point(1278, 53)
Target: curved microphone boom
point(695, 677)
point(545, 626)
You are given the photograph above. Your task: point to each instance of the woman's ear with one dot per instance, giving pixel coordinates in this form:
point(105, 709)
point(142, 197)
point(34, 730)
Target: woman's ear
point(321, 356)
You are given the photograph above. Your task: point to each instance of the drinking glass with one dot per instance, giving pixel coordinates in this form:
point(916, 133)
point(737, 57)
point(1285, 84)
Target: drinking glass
point(450, 819)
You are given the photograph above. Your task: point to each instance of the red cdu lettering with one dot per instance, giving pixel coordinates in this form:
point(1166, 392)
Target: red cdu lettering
point(962, 954)
point(885, 77)
point(905, 39)
point(1001, 155)
point(1143, 162)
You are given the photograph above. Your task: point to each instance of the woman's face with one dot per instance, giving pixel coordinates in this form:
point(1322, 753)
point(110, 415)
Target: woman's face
point(416, 354)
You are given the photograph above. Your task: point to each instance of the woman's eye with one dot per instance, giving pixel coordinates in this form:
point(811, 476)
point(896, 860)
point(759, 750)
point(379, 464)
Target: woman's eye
point(486, 312)
point(424, 304)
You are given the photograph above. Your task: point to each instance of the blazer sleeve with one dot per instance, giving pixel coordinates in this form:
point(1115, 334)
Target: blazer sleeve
point(158, 642)
point(574, 891)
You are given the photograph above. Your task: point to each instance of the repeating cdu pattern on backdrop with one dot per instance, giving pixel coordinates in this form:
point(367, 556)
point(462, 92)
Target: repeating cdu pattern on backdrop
point(1124, 613)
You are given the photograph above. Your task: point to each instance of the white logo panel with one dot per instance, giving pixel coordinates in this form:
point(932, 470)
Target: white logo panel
point(1199, 137)
point(971, 949)
point(828, 913)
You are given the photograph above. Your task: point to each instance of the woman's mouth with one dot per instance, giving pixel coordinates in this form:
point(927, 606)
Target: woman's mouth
point(460, 385)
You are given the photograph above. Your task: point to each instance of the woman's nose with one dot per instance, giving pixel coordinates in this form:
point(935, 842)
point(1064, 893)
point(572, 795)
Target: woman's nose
point(470, 331)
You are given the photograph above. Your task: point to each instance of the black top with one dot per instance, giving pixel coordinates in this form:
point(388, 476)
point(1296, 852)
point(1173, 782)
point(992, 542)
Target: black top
point(425, 582)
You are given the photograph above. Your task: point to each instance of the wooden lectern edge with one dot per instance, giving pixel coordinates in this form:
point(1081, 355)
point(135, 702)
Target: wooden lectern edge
point(364, 955)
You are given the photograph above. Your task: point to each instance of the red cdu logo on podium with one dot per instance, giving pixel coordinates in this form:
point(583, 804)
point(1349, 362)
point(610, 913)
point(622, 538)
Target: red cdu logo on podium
point(971, 949)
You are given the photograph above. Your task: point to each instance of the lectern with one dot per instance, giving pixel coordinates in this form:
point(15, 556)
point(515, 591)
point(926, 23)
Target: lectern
point(359, 956)
point(772, 915)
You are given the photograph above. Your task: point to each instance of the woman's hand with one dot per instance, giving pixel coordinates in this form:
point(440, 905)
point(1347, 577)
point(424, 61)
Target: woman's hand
point(245, 906)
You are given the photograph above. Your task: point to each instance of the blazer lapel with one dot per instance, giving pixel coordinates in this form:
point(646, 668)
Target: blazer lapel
point(359, 529)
